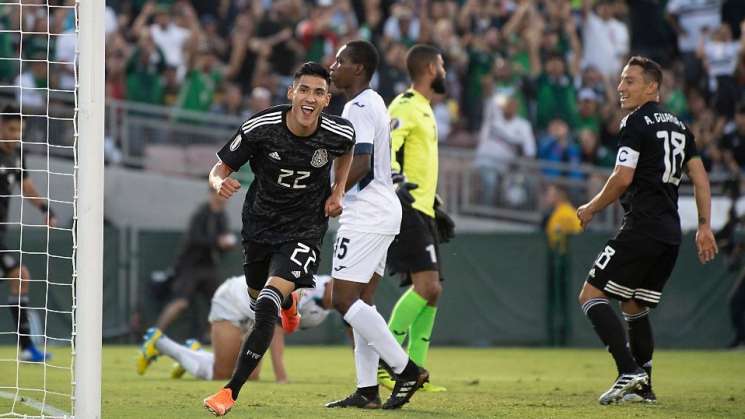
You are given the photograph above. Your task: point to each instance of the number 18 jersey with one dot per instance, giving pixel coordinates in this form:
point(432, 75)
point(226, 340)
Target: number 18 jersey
point(658, 145)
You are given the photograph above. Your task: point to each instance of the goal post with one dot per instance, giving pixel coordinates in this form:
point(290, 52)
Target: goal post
point(88, 217)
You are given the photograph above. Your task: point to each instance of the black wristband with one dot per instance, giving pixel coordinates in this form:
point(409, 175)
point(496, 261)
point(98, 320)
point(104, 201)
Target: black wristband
point(44, 208)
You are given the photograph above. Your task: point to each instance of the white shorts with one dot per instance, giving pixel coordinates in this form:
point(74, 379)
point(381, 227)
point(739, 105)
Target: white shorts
point(358, 255)
point(230, 303)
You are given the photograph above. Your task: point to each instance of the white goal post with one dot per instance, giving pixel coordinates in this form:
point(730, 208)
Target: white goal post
point(89, 210)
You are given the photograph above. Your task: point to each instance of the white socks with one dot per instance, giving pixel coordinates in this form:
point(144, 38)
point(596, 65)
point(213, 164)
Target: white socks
point(197, 363)
point(365, 361)
point(370, 325)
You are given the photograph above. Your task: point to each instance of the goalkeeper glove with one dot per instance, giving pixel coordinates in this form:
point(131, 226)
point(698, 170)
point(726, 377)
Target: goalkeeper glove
point(445, 224)
point(403, 189)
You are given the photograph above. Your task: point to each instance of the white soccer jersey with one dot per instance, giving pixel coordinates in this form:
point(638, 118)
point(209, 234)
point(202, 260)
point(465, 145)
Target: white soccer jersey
point(371, 206)
point(231, 303)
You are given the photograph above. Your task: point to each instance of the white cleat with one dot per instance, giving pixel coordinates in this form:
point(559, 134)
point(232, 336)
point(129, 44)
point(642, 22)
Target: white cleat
point(624, 384)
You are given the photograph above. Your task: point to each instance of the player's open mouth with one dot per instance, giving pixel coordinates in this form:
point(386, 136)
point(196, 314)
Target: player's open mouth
point(307, 110)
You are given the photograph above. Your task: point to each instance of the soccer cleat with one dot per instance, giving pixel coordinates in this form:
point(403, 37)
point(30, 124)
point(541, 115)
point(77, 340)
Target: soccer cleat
point(643, 395)
point(220, 403)
point(178, 371)
point(623, 385)
point(290, 317)
point(431, 388)
point(357, 399)
point(384, 378)
point(148, 352)
point(31, 354)
point(405, 388)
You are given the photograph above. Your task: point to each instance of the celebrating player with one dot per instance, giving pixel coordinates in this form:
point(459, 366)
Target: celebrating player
point(286, 209)
point(415, 251)
point(655, 148)
point(13, 170)
point(231, 318)
point(371, 219)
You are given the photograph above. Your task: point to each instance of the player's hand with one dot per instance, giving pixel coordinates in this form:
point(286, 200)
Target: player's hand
point(226, 241)
point(228, 187)
point(585, 214)
point(333, 206)
point(706, 245)
point(51, 220)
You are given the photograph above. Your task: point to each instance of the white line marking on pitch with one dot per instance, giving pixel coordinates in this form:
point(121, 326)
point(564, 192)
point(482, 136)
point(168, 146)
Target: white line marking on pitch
point(48, 409)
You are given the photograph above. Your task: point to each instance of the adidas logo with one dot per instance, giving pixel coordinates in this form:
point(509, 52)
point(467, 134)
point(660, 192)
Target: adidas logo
point(275, 155)
point(296, 274)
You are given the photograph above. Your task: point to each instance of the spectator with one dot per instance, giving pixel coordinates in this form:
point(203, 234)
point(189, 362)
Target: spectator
point(481, 53)
point(689, 19)
point(260, 99)
point(651, 35)
point(594, 153)
point(404, 26)
point(673, 97)
point(32, 83)
point(506, 82)
point(588, 116)
point(559, 147)
point(392, 75)
point(733, 144)
point(504, 136)
point(231, 102)
point(720, 54)
point(201, 83)
point(605, 39)
point(144, 69)
point(555, 94)
point(275, 32)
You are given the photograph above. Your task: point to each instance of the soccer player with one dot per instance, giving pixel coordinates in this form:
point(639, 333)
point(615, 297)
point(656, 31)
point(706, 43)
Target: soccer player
point(231, 318)
point(371, 220)
point(415, 251)
point(13, 172)
point(285, 214)
point(655, 148)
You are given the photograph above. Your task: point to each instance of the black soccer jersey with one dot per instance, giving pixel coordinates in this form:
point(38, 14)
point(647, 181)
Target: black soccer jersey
point(12, 173)
point(661, 145)
point(285, 202)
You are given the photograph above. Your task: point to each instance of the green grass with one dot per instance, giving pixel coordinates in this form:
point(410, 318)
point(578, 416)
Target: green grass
point(519, 383)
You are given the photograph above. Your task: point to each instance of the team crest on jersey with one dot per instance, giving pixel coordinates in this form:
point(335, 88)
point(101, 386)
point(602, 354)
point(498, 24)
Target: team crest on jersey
point(320, 158)
point(395, 123)
point(236, 143)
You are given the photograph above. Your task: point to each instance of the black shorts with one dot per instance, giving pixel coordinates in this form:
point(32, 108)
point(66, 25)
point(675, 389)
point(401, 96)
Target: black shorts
point(415, 248)
point(633, 266)
point(9, 259)
point(189, 280)
point(293, 261)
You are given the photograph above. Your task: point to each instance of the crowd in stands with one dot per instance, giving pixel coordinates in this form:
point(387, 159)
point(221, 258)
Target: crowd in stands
point(530, 78)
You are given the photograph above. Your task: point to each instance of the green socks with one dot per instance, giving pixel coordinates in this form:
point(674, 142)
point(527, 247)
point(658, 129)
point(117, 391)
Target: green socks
point(404, 313)
point(420, 333)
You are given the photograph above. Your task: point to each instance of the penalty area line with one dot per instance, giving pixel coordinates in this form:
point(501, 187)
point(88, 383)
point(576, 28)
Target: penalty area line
point(48, 409)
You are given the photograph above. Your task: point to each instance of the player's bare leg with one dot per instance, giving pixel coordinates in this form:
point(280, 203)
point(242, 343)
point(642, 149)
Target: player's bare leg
point(256, 344)
point(226, 344)
point(171, 312)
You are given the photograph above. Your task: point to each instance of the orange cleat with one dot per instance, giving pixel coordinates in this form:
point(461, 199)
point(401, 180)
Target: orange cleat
point(220, 403)
point(290, 317)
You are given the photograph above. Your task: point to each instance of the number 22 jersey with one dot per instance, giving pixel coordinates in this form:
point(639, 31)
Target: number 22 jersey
point(286, 199)
point(658, 145)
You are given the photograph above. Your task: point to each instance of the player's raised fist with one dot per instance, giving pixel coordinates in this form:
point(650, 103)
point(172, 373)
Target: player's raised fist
point(333, 206)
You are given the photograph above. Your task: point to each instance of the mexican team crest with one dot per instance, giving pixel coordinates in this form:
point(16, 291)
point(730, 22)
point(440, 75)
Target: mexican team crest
point(320, 158)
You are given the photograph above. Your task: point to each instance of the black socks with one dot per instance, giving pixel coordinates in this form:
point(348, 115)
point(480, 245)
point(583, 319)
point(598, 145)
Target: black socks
point(610, 330)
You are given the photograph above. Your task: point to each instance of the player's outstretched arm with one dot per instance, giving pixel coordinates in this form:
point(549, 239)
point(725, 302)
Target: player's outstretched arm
point(705, 242)
point(614, 187)
point(221, 181)
point(30, 191)
point(341, 173)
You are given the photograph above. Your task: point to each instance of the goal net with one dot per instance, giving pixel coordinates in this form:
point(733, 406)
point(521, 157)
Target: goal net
point(50, 207)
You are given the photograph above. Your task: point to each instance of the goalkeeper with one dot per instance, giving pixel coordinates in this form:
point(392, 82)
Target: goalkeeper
point(414, 253)
point(232, 318)
point(13, 172)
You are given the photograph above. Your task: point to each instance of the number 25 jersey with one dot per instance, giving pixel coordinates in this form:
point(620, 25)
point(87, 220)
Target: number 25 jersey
point(658, 145)
point(286, 199)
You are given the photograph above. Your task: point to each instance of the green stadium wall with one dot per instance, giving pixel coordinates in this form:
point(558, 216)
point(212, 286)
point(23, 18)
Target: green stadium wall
point(495, 292)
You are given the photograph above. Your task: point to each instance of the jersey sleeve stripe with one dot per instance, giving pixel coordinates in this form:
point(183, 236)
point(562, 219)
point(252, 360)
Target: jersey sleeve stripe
point(338, 131)
point(363, 148)
point(262, 123)
point(336, 124)
point(271, 116)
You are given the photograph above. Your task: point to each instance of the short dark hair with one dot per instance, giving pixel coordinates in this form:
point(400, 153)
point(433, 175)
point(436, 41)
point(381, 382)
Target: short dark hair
point(312, 69)
point(10, 112)
point(364, 53)
point(419, 57)
point(651, 70)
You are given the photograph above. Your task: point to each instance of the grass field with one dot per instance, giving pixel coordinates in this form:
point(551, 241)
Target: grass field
point(517, 383)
